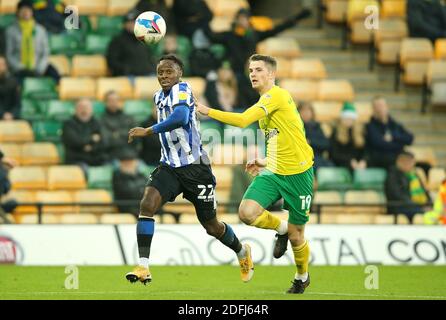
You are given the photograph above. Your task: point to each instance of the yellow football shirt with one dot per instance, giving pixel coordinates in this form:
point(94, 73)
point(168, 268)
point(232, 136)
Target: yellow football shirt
point(287, 149)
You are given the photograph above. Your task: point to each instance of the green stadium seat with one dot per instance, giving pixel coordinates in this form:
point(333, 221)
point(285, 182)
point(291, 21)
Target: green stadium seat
point(47, 130)
point(333, 178)
point(98, 108)
point(39, 88)
point(67, 44)
point(218, 50)
point(145, 169)
point(61, 151)
point(109, 26)
point(31, 110)
point(6, 20)
point(60, 110)
point(140, 110)
point(100, 177)
point(97, 44)
point(369, 179)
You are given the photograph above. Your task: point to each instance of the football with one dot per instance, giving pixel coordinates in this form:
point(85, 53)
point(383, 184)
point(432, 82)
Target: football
point(150, 27)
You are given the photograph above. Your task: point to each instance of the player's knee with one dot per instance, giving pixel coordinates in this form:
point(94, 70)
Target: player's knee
point(296, 238)
point(147, 207)
point(214, 229)
point(247, 214)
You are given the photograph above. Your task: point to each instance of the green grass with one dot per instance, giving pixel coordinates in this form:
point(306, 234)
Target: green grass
point(222, 282)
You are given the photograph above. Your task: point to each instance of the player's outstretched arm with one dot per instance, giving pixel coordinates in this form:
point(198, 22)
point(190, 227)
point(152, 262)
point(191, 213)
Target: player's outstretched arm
point(241, 120)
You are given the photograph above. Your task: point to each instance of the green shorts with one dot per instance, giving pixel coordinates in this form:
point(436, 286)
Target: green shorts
point(296, 191)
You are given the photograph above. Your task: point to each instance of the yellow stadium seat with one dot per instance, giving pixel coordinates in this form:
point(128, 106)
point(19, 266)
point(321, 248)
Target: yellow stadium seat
point(336, 11)
point(388, 39)
point(75, 88)
point(436, 178)
point(418, 219)
point(336, 90)
point(117, 218)
point(40, 153)
point(48, 218)
point(121, 85)
point(89, 66)
point(88, 7)
point(84, 197)
point(261, 23)
point(166, 219)
point(16, 131)
point(279, 47)
point(180, 206)
point(436, 71)
point(308, 69)
point(223, 175)
point(424, 154)
point(221, 24)
point(145, 87)
point(63, 198)
point(283, 68)
point(189, 219)
point(230, 218)
point(440, 49)
point(356, 9)
point(226, 8)
point(197, 84)
point(383, 219)
point(31, 177)
point(393, 9)
point(327, 197)
point(22, 196)
point(78, 218)
point(328, 218)
point(363, 197)
point(12, 150)
point(415, 54)
point(8, 6)
point(301, 90)
point(120, 7)
point(402, 219)
point(66, 178)
point(327, 111)
point(61, 63)
point(354, 218)
point(227, 154)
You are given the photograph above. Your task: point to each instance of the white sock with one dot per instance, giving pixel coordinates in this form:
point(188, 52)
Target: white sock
point(144, 262)
point(302, 277)
point(242, 253)
point(282, 228)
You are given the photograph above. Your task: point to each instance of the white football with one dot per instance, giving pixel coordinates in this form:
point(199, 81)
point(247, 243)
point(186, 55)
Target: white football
point(150, 27)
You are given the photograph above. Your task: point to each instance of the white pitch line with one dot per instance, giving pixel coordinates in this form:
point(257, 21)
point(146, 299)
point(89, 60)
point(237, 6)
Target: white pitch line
point(374, 295)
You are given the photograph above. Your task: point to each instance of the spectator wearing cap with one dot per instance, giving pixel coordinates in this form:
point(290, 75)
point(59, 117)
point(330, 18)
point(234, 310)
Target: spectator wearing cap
point(385, 138)
point(126, 56)
point(128, 182)
point(347, 140)
point(27, 48)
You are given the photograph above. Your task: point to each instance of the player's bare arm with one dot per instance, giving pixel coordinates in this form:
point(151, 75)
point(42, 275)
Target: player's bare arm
point(139, 132)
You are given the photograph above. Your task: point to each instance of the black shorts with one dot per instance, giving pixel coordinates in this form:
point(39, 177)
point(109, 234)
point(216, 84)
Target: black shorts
point(195, 181)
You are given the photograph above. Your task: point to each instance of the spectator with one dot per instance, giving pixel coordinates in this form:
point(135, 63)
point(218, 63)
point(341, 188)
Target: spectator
point(347, 140)
point(115, 126)
point(8, 206)
point(241, 42)
point(190, 16)
point(426, 19)
point(315, 136)
point(127, 56)
point(223, 91)
point(405, 187)
point(151, 147)
point(9, 93)
point(50, 14)
point(128, 183)
point(82, 137)
point(385, 138)
point(27, 48)
point(438, 214)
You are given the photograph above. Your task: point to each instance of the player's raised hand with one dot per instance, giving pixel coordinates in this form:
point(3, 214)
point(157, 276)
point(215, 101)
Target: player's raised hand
point(137, 132)
point(254, 167)
point(201, 108)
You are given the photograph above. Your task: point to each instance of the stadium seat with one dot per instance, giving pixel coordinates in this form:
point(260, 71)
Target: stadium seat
point(98, 108)
point(140, 110)
point(145, 169)
point(327, 111)
point(261, 23)
point(230, 218)
point(226, 154)
point(393, 9)
point(436, 71)
point(78, 218)
point(436, 177)
point(356, 15)
point(121, 85)
point(39, 153)
point(369, 179)
point(301, 90)
point(61, 63)
point(65, 44)
point(97, 44)
point(438, 94)
point(84, 197)
point(74, 88)
point(279, 47)
point(221, 24)
point(333, 178)
point(283, 68)
point(39, 88)
point(388, 39)
point(424, 154)
point(308, 69)
point(88, 7)
point(48, 218)
point(117, 218)
point(145, 87)
point(336, 11)
point(110, 25)
point(47, 130)
point(355, 218)
point(418, 219)
point(363, 197)
point(28, 178)
point(227, 8)
point(66, 177)
point(22, 196)
point(12, 151)
point(120, 7)
point(402, 219)
point(336, 90)
point(383, 219)
point(327, 197)
point(89, 66)
point(31, 110)
point(60, 110)
point(100, 177)
point(415, 54)
point(197, 84)
point(223, 175)
point(328, 218)
point(15, 131)
point(440, 49)
point(6, 19)
point(63, 198)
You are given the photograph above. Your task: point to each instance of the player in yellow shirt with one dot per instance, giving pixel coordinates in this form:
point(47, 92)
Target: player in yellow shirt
point(287, 171)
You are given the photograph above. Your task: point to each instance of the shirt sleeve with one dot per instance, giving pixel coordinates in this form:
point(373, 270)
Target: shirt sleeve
point(181, 94)
point(267, 103)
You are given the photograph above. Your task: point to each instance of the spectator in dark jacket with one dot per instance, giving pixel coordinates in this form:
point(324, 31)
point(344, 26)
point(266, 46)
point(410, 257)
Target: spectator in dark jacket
point(115, 126)
point(385, 138)
point(159, 6)
point(128, 183)
point(190, 16)
point(9, 93)
point(315, 136)
point(126, 56)
point(82, 137)
point(150, 146)
point(405, 187)
point(241, 42)
point(347, 140)
point(426, 19)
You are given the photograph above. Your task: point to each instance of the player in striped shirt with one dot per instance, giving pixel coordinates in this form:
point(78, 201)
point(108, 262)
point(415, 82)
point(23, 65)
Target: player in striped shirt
point(184, 168)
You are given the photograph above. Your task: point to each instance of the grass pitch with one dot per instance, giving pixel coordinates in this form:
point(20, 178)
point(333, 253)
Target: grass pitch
point(222, 282)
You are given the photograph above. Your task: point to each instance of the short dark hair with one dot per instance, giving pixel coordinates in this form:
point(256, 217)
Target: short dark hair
point(267, 59)
point(173, 58)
